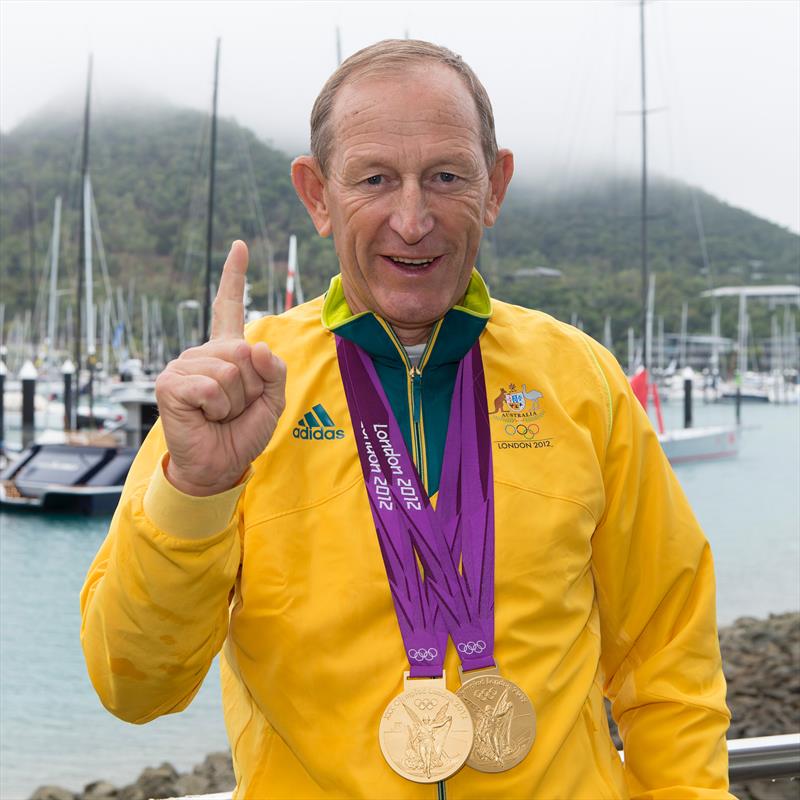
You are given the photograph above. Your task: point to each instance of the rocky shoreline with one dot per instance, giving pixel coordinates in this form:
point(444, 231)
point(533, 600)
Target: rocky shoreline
point(215, 774)
point(762, 665)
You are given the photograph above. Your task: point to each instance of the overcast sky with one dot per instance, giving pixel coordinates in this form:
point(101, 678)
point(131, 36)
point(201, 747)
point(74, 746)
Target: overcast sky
point(723, 76)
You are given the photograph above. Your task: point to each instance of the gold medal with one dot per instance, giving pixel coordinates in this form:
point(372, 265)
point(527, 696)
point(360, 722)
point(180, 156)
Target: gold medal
point(504, 720)
point(426, 731)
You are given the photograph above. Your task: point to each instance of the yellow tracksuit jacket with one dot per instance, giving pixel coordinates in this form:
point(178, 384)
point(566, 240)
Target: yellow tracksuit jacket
point(604, 580)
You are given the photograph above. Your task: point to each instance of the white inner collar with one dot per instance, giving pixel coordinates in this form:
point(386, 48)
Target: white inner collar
point(414, 352)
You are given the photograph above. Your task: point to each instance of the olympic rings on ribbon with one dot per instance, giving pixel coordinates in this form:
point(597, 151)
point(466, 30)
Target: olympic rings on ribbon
point(423, 654)
point(528, 431)
point(469, 648)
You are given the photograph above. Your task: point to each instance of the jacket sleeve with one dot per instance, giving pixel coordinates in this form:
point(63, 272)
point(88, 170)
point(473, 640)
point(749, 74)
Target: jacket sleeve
point(154, 605)
point(654, 580)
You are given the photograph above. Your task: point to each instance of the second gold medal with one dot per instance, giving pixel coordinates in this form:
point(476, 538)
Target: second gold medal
point(504, 720)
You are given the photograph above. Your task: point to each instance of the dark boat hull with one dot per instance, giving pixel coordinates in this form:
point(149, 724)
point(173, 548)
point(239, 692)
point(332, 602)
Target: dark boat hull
point(58, 500)
point(66, 478)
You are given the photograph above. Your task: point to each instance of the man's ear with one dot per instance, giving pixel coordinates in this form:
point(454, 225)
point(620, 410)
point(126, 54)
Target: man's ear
point(309, 183)
point(499, 178)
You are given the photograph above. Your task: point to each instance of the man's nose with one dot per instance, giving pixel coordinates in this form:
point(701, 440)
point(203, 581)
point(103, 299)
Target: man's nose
point(411, 217)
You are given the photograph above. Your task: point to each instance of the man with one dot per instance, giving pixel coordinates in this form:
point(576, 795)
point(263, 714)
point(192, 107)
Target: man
point(252, 521)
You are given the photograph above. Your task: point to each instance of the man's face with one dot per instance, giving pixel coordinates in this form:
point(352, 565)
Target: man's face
point(407, 193)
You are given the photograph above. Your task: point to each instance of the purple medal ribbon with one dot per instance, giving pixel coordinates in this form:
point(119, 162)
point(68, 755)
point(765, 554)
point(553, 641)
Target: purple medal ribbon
point(408, 527)
point(465, 508)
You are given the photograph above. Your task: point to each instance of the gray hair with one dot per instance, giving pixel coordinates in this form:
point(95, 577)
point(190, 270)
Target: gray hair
point(385, 55)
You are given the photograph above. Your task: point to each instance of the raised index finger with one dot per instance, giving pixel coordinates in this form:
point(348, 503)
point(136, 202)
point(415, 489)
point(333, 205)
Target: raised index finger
point(227, 320)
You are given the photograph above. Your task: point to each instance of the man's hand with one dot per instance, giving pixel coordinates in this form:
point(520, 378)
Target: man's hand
point(220, 402)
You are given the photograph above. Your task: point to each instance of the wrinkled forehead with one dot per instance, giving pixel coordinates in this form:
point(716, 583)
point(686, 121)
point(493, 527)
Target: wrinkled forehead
point(404, 99)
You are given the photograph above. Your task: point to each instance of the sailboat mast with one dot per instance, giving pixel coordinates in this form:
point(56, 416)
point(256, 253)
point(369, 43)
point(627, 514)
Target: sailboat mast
point(91, 339)
point(210, 217)
point(52, 305)
point(81, 236)
point(645, 270)
point(291, 273)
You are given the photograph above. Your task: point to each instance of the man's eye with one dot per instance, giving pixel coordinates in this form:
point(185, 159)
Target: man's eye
point(375, 180)
point(447, 177)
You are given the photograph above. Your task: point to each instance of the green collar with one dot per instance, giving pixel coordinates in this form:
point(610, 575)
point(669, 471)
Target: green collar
point(450, 340)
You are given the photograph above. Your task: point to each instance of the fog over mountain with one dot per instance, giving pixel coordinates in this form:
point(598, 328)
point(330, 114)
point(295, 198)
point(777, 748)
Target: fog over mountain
point(723, 76)
point(150, 181)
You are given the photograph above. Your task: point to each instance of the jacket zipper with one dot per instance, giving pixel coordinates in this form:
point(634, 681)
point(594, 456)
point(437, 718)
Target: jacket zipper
point(415, 404)
point(414, 389)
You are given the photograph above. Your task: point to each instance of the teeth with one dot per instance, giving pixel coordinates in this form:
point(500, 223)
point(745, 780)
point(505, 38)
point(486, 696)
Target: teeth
point(416, 262)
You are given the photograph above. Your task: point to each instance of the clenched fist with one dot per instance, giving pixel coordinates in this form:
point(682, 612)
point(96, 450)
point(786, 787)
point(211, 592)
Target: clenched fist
point(220, 402)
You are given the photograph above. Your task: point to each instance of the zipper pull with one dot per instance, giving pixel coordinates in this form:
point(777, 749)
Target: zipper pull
point(416, 385)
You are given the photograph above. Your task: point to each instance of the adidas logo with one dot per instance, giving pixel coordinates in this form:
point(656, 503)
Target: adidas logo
point(317, 424)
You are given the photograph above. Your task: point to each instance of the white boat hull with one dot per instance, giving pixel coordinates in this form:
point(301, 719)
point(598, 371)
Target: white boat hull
point(684, 445)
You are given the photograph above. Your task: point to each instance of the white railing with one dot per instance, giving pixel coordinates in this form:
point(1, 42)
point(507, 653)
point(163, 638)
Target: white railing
point(764, 757)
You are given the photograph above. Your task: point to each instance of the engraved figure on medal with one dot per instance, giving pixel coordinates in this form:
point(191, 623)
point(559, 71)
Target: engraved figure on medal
point(426, 738)
point(493, 729)
point(504, 719)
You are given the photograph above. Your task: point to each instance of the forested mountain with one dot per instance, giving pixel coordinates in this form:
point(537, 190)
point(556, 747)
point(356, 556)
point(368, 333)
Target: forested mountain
point(150, 177)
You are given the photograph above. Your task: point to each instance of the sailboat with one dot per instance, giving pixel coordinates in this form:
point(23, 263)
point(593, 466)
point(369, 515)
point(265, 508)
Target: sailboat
point(85, 474)
point(687, 444)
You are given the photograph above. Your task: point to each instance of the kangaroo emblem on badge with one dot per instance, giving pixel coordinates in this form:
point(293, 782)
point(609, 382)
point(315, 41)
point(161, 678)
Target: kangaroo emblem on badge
point(514, 400)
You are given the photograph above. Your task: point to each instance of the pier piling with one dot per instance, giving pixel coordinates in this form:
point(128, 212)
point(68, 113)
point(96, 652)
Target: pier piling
point(688, 385)
point(28, 376)
point(738, 404)
point(3, 372)
point(68, 371)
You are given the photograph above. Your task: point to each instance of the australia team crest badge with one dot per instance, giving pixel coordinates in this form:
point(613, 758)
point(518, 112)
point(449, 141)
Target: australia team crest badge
point(516, 412)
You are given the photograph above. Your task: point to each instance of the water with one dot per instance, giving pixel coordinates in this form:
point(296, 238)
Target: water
point(749, 508)
point(54, 730)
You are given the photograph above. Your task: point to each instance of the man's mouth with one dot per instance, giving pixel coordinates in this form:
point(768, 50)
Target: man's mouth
point(412, 264)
